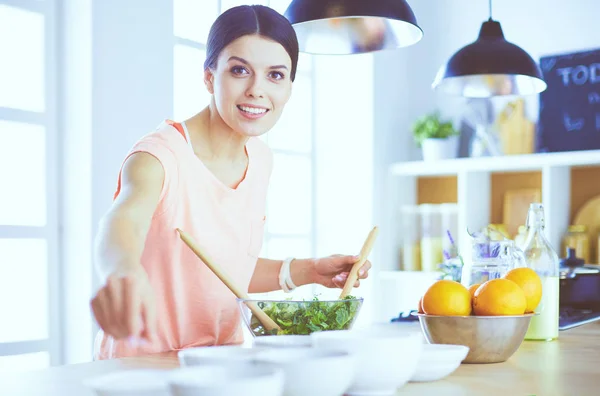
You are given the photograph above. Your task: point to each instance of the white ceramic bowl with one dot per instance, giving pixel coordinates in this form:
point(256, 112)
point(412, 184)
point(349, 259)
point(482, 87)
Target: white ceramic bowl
point(439, 361)
point(387, 360)
point(398, 329)
point(223, 380)
point(211, 355)
point(131, 383)
point(312, 371)
point(283, 341)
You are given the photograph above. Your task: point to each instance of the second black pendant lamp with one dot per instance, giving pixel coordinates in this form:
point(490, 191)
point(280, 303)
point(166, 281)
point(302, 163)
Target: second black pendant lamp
point(342, 27)
point(490, 66)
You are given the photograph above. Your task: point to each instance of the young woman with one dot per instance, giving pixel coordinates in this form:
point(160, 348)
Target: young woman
point(207, 176)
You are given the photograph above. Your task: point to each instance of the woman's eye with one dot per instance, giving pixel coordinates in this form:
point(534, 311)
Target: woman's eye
point(277, 75)
point(239, 70)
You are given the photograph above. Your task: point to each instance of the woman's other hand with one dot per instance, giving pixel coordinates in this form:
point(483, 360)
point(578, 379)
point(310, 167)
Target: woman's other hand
point(333, 271)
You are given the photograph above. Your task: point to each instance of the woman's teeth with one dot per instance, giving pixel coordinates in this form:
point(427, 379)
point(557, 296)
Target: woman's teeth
point(252, 110)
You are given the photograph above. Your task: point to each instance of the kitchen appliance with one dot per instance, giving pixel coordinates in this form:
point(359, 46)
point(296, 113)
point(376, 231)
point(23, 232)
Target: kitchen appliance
point(579, 292)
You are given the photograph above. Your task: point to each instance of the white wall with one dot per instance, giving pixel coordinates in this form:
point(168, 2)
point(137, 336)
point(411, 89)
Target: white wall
point(403, 78)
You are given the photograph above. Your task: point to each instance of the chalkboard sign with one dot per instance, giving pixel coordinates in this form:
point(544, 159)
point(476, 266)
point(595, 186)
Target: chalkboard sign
point(570, 107)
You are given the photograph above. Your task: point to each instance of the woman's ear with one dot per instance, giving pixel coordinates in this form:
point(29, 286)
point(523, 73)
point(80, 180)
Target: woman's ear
point(209, 79)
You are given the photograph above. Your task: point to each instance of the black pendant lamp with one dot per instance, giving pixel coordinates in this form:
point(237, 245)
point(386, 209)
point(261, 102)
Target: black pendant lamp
point(343, 27)
point(490, 66)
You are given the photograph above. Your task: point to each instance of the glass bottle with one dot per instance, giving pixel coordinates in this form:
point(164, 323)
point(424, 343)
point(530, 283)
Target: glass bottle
point(543, 259)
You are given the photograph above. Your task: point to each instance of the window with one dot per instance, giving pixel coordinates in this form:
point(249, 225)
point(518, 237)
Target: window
point(28, 203)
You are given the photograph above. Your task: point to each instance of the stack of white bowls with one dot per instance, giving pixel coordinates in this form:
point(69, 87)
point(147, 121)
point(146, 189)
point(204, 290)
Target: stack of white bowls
point(374, 361)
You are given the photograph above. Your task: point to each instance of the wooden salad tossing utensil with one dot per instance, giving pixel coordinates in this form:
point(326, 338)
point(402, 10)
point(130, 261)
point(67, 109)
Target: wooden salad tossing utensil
point(266, 321)
point(364, 253)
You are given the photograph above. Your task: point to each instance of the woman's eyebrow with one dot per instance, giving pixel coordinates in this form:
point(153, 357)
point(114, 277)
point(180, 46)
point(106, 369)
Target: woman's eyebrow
point(244, 61)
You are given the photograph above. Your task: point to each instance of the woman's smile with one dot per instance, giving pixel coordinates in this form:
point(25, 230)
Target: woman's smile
point(251, 111)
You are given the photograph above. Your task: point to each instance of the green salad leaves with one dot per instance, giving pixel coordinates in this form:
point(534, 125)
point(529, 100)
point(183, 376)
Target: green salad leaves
point(305, 317)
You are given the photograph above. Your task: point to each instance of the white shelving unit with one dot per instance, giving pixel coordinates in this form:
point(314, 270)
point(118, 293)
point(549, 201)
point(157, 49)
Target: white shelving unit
point(473, 195)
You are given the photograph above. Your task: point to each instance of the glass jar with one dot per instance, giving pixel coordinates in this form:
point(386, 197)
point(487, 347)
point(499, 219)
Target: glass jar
point(431, 237)
point(491, 260)
point(411, 238)
point(578, 239)
point(497, 232)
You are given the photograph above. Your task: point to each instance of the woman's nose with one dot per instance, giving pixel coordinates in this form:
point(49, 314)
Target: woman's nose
point(255, 89)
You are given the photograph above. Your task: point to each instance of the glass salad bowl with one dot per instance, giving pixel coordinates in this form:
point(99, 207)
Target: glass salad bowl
point(302, 317)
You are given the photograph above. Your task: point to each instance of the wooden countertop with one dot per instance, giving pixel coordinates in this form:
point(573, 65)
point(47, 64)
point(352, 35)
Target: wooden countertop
point(569, 366)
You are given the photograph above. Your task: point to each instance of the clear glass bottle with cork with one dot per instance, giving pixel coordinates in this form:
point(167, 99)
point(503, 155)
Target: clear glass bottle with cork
point(544, 261)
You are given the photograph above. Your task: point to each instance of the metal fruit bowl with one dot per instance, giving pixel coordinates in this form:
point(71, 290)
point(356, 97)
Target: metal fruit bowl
point(299, 317)
point(491, 339)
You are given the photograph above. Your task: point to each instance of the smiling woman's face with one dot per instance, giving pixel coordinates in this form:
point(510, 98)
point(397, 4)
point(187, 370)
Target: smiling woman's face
point(251, 84)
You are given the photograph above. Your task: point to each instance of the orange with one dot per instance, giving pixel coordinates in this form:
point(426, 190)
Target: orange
point(447, 298)
point(473, 289)
point(530, 282)
point(421, 305)
point(499, 297)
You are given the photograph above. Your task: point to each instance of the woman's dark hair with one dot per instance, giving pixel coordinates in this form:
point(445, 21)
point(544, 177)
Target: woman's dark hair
point(246, 20)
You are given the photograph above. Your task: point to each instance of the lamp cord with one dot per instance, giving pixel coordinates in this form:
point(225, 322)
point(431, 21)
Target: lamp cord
point(490, 3)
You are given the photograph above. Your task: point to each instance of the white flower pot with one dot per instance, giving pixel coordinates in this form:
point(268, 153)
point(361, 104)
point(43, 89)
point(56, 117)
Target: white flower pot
point(437, 149)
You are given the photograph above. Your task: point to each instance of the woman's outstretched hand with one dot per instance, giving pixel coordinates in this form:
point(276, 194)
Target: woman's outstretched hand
point(124, 307)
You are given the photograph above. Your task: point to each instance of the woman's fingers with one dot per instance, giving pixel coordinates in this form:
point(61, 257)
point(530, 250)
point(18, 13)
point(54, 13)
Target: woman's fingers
point(103, 311)
point(363, 273)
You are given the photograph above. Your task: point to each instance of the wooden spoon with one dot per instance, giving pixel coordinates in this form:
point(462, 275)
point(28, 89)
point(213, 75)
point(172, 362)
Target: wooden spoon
point(364, 253)
point(266, 321)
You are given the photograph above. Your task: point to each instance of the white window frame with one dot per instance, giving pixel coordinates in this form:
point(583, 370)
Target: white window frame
point(50, 232)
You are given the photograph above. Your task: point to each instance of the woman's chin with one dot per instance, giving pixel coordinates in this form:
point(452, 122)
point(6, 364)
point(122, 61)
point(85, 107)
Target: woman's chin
point(255, 130)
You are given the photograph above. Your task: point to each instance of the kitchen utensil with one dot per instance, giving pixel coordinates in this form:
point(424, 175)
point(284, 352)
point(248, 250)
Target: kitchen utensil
point(491, 339)
point(579, 283)
point(364, 253)
point(267, 322)
point(516, 130)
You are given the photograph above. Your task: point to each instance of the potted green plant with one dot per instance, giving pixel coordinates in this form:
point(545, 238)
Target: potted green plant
point(437, 138)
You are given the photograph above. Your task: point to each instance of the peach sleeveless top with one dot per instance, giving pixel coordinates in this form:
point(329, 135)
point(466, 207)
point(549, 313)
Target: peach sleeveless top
point(194, 307)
